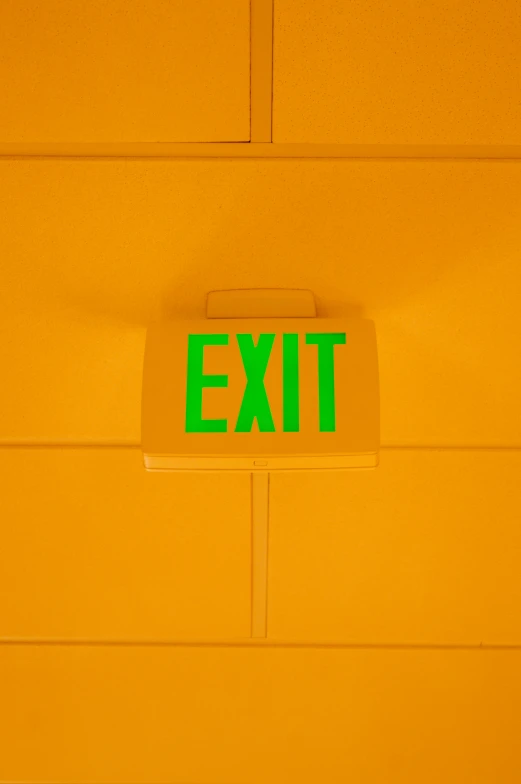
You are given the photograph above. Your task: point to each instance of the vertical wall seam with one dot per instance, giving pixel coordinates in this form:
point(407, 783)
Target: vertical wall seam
point(261, 70)
point(260, 523)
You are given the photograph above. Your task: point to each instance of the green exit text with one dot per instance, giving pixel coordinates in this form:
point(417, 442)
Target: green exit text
point(255, 403)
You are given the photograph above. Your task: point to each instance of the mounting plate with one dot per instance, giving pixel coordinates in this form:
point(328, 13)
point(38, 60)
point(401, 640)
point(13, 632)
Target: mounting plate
point(261, 303)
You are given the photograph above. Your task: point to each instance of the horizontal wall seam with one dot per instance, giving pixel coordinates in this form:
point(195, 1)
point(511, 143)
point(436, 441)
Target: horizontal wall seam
point(80, 445)
point(256, 643)
point(227, 150)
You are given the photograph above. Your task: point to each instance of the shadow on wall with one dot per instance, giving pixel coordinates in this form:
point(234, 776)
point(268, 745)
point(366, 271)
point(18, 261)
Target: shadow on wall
point(130, 241)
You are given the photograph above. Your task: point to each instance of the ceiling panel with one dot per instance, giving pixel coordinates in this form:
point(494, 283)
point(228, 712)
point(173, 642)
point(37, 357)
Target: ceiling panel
point(103, 715)
point(124, 71)
point(94, 547)
point(92, 251)
point(426, 549)
point(400, 72)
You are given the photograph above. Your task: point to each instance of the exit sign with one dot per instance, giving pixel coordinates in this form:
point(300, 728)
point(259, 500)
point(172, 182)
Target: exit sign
point(263, 394)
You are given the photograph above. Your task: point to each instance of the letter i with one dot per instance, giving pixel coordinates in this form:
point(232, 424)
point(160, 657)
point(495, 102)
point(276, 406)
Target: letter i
point(290, 384)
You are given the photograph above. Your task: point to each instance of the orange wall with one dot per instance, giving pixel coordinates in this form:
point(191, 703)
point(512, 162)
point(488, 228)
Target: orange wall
point(394, 635)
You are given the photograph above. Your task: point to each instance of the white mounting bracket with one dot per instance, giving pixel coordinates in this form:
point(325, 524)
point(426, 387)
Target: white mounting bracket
point(261, 303)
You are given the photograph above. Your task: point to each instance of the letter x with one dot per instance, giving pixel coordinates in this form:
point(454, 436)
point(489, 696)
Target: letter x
point(255, 403)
